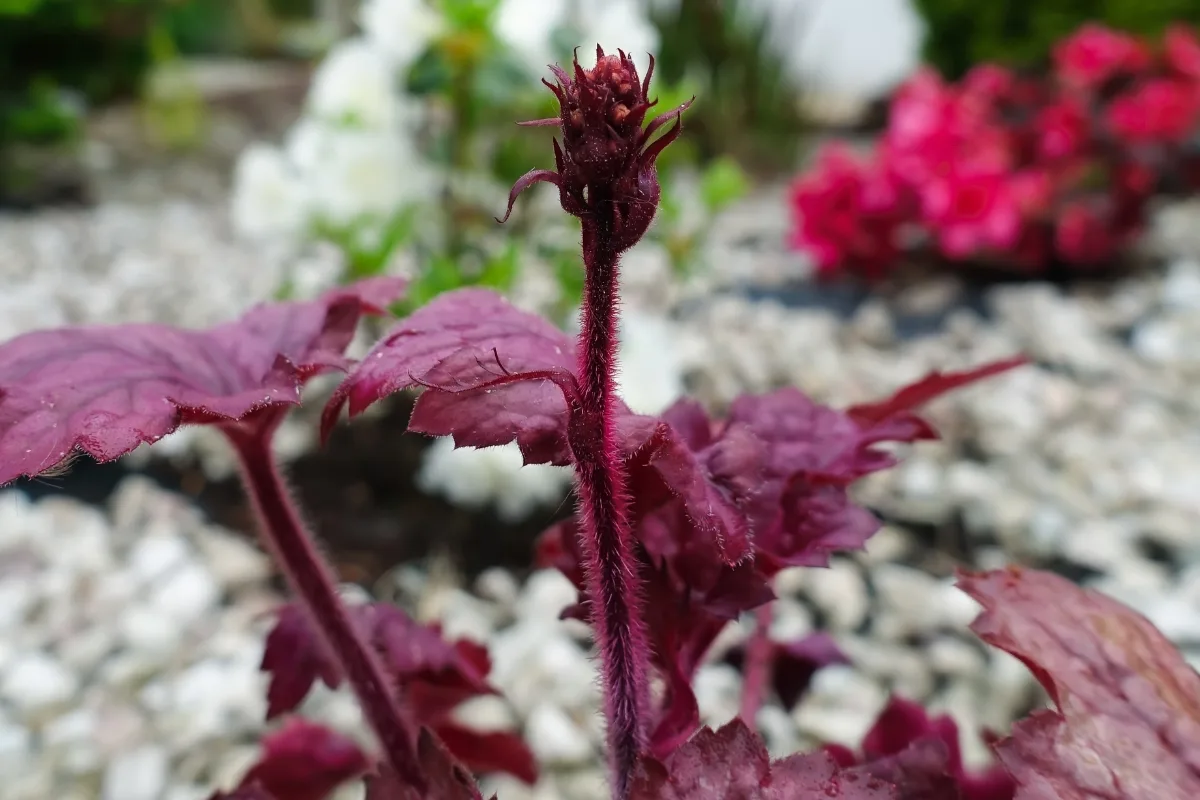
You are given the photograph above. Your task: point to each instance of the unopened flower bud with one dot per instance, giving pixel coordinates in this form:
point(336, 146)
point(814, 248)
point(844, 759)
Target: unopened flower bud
point(604, 167)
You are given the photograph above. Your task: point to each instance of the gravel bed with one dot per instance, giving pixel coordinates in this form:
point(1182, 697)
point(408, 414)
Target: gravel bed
point(130, 635)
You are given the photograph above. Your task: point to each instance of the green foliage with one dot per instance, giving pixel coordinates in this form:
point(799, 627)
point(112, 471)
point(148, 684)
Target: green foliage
point(441, 273)
point(747, 105)
point(1023, 32)
point(686, 211)
point(94, 50)
point(723, 183)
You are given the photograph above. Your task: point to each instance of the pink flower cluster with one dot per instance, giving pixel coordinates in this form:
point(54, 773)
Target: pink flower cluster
point(1013, 172)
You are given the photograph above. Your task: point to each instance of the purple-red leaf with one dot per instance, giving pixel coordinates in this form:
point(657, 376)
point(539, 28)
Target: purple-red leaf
point(294, 659)
point(435, 676)
point(494, 751)
point(1128, 718)
point(106, 389)
point(928, 388)
point(499, 375)
point(305, 761)
point(446, 779)
point(665, 469)
point(922, 756)
point(732, 764)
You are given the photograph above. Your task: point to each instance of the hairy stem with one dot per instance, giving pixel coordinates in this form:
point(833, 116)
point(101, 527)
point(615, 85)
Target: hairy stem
point(611, 566)
point(756, 668)
point(311, 579)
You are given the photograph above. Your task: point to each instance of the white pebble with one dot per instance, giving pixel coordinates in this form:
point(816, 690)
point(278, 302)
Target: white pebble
point(234, 561)
point(16, 745)
point(148, 630)
point(155, 556)
point(554, 737)
point(718, 689)
point(72, 737)
point(37, 680)
point(840, 592)
point(546, 594)
point(139, 774)
point(187, 594)
point(17, 596)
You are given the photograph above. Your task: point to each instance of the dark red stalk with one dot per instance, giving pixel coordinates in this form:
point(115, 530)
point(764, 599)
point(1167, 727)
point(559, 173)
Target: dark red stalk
point(610, 562)
point(284, 535)
point(756, 670)
point(606, 176)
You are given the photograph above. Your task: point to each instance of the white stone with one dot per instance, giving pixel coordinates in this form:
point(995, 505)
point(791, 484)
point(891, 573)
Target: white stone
point(952, 656)
point(789, 620)
point(499, 586)
point(462, 615)
point(554, 737)
point(72, 737)
point(17, 596)
point(485, 713)
point(839, 591)
point(547, 592)
point(536, 661)
point(16, 748)
point(81, 543)
point(149, 630)
point(187, 792)
point(37, 680)
point(1181, 289)
point(834, 725)
point(140, 774)
point(778, 730)
point(85, 649)
point(16, 520)
point(155, 556)
point(234, 562)
point(187, 594)
point(718, 689)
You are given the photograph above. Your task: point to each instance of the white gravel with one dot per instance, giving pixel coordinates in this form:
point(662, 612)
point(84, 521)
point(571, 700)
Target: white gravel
point(130, 636)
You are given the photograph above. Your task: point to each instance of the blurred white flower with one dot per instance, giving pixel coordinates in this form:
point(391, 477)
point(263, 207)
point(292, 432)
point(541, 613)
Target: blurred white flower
point(269, 197)
point(616, 24)
point(528, 26)
point(650, 379)
point(401, 28)
point(859, 48)
point(475, 478)
point(357, 83)
point(351, 173)
point(305, 144)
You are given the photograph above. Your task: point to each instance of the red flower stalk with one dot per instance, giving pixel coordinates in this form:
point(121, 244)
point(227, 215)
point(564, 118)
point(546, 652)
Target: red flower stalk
point(606, 176)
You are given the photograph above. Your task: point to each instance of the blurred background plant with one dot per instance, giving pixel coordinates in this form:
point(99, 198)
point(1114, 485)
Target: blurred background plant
point(1023, 33)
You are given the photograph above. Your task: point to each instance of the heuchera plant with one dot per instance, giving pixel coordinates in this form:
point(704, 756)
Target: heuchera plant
point(683, 521)
point(1017, 175)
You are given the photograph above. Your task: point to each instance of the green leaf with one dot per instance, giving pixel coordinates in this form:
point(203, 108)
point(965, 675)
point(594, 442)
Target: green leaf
point(500, 271)
point(18, 8)
point(431, 73)
point(469, 15)
point(722, 183)
point(568, 271)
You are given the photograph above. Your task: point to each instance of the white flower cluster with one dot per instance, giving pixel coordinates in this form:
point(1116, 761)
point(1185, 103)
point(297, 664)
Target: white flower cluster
point(650, 379)
point(351, 159)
